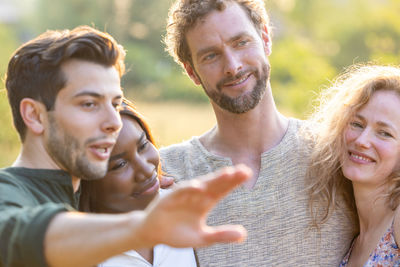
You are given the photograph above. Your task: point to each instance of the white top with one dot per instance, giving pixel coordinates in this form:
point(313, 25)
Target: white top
point(164, 256)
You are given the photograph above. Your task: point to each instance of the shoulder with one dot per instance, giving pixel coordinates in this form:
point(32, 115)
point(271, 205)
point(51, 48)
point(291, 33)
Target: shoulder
point(13, 188)
point(396, 225)
point(294, 141)
point(10, 178)
point(176, 159)
point(177, 154)
point(179, 148)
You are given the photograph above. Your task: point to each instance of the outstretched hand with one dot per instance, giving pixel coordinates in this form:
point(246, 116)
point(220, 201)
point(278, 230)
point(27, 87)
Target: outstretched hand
point(179, 218)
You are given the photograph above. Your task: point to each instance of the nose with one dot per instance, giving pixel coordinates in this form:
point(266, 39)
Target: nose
point(363, 140)
point(111, 120)
point(144, 169)
point(233, 63)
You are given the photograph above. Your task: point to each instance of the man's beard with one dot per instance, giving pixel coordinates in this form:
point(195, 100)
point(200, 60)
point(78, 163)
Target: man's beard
point(66, 150)
point(245, 102)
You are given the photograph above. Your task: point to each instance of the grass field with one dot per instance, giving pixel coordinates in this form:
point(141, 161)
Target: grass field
point(173, 122)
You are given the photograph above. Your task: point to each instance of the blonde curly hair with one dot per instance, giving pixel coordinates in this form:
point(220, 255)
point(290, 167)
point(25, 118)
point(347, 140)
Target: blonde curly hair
point(337, 105)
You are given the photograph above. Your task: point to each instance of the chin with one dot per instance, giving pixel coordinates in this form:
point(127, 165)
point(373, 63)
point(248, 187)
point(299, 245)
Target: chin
point(93, 171)
point(138, 202)
point(355, 177)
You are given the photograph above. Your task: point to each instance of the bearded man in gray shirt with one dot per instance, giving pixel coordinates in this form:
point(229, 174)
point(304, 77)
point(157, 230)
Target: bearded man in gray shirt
point(224, 45)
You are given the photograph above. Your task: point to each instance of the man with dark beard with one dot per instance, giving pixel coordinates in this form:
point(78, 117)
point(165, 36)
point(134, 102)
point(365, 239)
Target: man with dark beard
point(224, 46)
point(64, 91)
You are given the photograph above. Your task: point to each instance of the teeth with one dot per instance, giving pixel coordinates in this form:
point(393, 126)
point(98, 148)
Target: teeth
point(360, 157)
point(241, 80)
point(102, 150)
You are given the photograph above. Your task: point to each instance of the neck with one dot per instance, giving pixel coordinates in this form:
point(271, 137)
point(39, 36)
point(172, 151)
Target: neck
point(372, 207)
point(147, 254)
point(33, 155)
point(244, 137)
point(257, 130)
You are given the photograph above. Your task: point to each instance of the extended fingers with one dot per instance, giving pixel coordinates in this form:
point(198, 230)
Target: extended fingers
point(222, 182)
point(224, 234)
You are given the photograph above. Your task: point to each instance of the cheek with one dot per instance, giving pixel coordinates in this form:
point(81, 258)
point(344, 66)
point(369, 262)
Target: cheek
point(389, 153)
point(349, 135)
point(77, 127)
point(209, 75)
point(154, 156)
point(117, 185)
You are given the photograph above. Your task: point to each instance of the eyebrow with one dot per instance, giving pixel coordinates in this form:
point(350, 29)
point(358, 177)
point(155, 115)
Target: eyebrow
point(379, 123)
point(231, 40)
point(89, 93)
point(93, 94)
point(120, 155)
point(384, 124)
point(142, 136)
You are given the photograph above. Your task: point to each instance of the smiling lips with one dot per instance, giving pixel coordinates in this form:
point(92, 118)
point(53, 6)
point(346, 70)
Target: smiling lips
point(150, 186)
point(360, 158)
point(238, 81)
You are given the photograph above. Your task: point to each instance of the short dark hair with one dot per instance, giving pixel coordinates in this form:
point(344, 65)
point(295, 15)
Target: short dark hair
point(34, 70)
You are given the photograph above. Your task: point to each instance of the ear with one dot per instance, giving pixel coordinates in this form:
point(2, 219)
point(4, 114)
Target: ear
point(267, 40)
point(191, 73)
point(32, 113)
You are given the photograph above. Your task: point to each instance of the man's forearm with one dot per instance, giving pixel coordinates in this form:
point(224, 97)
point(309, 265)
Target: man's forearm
point(80, 239)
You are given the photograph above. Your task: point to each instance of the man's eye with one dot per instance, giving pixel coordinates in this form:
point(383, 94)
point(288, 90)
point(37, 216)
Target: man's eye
point(88, 104)
point(117, 106)
point(209, 56)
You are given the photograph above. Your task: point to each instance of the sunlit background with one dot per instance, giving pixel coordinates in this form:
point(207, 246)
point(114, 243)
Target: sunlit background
point(313, 41)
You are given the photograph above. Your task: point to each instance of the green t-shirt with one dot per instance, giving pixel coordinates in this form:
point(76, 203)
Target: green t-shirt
point(29, 199)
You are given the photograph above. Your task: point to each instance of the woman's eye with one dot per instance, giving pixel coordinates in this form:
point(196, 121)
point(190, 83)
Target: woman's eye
point(243, 43)
point(143, 145)
point(385, 134)
point(356, 124)
point(118, 165)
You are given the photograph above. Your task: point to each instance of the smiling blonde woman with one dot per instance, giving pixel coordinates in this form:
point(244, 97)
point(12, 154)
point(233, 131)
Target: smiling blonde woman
point(356, 157)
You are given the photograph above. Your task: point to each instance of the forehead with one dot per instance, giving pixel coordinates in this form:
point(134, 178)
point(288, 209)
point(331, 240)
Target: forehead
point(220, 25)
point(131, 130)
point(383, 106)
point(83, 75)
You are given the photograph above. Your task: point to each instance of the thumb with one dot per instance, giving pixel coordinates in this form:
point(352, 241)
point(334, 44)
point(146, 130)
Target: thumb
point(166, 182)
point(225, 234)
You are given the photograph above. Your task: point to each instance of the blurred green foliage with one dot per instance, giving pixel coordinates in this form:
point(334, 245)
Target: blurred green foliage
point(9, 143)
point(312, 42)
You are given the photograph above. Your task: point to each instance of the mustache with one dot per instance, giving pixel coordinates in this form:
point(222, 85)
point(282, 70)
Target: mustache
point(238, 76)
point(99, 138)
